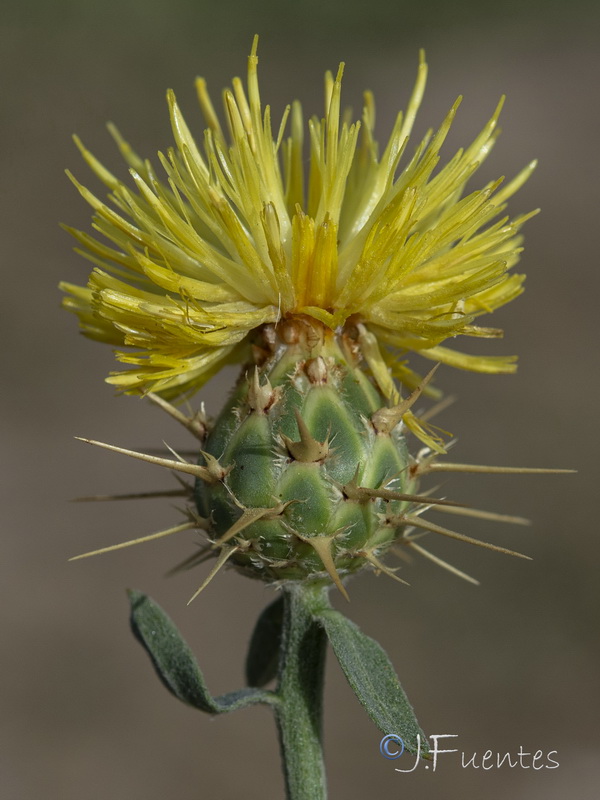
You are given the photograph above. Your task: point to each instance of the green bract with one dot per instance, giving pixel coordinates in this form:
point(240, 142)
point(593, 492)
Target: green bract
point(309, 481)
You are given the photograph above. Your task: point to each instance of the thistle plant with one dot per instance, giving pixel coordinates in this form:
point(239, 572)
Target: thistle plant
point(321, 283)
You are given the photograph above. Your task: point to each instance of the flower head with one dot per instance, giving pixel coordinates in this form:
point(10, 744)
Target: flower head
point(234, 235)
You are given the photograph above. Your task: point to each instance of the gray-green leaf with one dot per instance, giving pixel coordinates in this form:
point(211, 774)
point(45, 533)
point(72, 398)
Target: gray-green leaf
point(372, 678)
point(175, 664)
point(263, 652)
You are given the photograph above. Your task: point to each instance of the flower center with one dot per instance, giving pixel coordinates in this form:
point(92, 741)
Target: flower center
point(314, 262)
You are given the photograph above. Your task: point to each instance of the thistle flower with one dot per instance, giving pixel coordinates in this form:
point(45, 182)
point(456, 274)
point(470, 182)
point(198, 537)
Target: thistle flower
point(233, 237)
point(320, 290)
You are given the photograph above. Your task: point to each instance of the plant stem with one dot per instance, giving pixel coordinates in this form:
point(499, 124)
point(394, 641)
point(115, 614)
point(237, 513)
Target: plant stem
point(300, 692)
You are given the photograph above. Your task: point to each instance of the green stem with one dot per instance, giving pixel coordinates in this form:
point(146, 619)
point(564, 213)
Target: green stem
point(300, 692)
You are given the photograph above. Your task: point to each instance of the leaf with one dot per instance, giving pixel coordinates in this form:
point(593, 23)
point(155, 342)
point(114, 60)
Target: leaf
point(372, 678)
point(263, 653)
point(175, 664)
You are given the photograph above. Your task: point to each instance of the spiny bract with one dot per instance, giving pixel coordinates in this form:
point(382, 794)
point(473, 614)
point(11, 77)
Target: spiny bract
point(305, 463)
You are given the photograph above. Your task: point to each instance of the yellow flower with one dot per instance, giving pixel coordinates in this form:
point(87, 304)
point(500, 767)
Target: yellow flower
point(237, 236)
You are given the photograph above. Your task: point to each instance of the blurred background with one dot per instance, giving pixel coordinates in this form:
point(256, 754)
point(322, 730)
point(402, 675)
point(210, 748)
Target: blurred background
point(512, 662)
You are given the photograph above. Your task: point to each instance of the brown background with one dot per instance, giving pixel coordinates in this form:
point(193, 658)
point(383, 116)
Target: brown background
point(513, 662)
